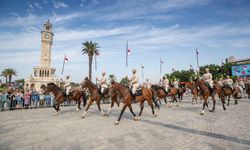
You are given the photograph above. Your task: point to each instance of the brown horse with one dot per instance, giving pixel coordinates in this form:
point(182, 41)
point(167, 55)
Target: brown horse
point(95, 95)
point(181, 91)
point(126, 95)
point(114, 99)
point(248, 90)
point(219, 91)
point(173, 93)
point(194, 91)
point(159, 92)
point(205, 92)
point(60, 96)
point(228, 92)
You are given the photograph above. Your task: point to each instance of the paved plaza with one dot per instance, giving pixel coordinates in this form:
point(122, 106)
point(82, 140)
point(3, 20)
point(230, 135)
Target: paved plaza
point(174, 128)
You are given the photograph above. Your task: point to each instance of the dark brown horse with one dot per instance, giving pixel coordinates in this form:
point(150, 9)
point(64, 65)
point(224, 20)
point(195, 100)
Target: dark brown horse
point(160, 93)
point(95, 95)
point(248, 90)
point(181, 91)
point(173, 93)
point(205, 92)
point(194, 91)
point(228, 92)
point(114, 99)
point(60, 96)
point(219, 91)
point(126, 95)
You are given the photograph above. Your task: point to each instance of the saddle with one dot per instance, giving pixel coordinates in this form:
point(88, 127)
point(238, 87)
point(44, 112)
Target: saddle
point(138, 92)
point(210, 88)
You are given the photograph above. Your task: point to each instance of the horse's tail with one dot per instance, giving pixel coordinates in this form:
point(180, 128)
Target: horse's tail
point(84, 98)
point(154, 100)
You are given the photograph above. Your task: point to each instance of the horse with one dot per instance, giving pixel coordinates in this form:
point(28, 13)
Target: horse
point(248, 90)
point(114, 99)
point(205, 92)
point(60, 96)
point(173, 93)
point(219, 91)
point(127, 97)
point(95, 95)
point(194, 91)
point(159, 92)
point(228, 92)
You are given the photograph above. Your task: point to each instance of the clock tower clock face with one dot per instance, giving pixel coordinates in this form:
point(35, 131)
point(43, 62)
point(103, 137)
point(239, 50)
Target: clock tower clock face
point(46, 36)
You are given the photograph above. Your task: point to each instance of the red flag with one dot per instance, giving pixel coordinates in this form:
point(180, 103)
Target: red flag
point(162, 62)
point(129, 51)
point(65, 58)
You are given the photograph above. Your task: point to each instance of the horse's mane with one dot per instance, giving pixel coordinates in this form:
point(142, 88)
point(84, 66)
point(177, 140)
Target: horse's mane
point(125, 86)
point(51, 84)
point(157, 87)
point(91, 83)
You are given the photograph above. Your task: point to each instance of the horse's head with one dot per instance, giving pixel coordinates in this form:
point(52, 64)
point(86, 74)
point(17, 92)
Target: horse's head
point(44, 89)
point(85, 82)
point(112, 88)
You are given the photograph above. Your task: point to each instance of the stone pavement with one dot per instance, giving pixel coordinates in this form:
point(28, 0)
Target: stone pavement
point(175, 128)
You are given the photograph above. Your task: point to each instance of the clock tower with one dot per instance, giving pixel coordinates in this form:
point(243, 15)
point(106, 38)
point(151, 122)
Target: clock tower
point(47, 41)
point(43, 73)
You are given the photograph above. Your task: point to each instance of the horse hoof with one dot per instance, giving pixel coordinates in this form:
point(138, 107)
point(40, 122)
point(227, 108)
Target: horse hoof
point(177, 105)
point(82, 117)
point(116, 123)
point(202, 112)
point(155, 115)
point(136, 118)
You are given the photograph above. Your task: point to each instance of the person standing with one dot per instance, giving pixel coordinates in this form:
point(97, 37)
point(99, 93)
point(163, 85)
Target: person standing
point(27, 96)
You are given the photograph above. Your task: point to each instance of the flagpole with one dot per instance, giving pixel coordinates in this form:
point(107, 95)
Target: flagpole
point(96, 68)
point(197, 60)
point(63, 63)
point(126, 58)
point(142, 73)
point(160, 66)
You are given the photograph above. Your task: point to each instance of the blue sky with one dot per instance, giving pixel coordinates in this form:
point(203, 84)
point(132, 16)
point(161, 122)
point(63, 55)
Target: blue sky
point(167, 29)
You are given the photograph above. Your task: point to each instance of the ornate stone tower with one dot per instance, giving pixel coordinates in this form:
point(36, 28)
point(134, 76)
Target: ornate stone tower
point(44, 73)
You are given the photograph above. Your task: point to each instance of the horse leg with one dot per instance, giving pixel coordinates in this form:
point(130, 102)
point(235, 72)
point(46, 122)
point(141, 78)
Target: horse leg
point(131, 110)
point(204, 104)
point(223, 102)
point(142, 107)
point(89, 104)
point(78, 106)
point(120, 116)
point(99, 108)
point(214, 101)
point(111, 106)
point(165, 100)
point(228, 100)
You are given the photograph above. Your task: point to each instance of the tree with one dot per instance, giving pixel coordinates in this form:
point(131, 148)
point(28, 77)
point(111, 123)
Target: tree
point(4, 74)
point(90, 48)
point(124, 81)
point(8, 73)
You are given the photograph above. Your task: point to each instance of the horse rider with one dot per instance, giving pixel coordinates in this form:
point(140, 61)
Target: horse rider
point(160, 83)
point(228, 82)
point(242, 84)
point(102, 82)
point(208, 79)
point(165, 83)
point(148, 84)
point(220, 82)
point(134, 82)
point(67, 85)
point(175, 84)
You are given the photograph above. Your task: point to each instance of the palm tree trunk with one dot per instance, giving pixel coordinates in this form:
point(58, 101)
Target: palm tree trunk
point(90, 67)
point(6, 80)
point(10, 80)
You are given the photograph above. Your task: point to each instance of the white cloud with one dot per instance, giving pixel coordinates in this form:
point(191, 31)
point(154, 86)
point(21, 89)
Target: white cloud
point(58, 5)
point(37, 5)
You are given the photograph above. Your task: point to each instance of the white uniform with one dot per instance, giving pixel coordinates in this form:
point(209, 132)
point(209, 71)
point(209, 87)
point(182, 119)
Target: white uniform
point(103, 83)
point(134, 82)
point(67, 86)
point(166, 84)
point(242, 84)
point(208, 78)
point(176, 84)
point(220, 82)
point(148, 84)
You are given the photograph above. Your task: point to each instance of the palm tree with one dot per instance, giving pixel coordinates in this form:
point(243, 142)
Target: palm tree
point(89, 48)
point(9, 72)
point(4, 74)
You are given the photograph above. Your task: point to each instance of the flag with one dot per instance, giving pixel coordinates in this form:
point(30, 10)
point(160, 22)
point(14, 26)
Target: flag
point(65, 58)
point(129, 51)
point(162, 62)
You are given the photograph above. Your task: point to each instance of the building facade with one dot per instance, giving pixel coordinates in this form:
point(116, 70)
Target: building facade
point(43, 73)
